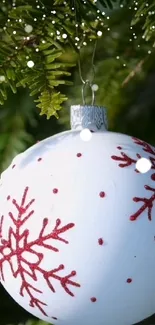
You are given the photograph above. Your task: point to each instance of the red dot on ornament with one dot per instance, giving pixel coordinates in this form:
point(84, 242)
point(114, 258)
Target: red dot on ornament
point(102, 194)
point(93, 299)
point(8, 197)
point(79, 154)
point(55, 190)
point(129, 280)
point(119, 147)
point(100, 241)
point(13, 166)
point(153, 177)
point(39, 159)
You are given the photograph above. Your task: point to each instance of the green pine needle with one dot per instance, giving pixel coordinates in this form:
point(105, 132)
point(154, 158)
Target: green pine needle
point(50, 102)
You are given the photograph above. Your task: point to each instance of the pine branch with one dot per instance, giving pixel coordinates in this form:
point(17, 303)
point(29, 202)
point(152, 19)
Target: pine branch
point(144, 17)
point(17, 48)
point(137, 69)
point(45, 45)
point(50, 102)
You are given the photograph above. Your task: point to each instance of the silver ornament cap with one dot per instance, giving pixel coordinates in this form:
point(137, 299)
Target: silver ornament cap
point(88, 116)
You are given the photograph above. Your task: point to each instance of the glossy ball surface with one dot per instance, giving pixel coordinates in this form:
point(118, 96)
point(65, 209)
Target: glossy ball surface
point(77, 227)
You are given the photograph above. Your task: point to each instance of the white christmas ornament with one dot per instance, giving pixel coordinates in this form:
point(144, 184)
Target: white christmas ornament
point(77, 226)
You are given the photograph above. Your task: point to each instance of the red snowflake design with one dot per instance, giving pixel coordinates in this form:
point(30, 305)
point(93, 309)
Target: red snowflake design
point(21, 236)
point(125, 161)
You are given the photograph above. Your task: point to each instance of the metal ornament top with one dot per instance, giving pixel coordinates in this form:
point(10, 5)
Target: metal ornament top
point(88, 116)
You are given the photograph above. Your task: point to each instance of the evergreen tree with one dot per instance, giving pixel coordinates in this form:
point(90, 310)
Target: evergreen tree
point(41, 45)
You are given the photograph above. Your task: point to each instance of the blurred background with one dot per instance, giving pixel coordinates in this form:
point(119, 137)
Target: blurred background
point(125, 76)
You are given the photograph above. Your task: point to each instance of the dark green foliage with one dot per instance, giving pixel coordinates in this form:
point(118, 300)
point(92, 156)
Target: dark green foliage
point(144, 16)
point(16, 49)
point(126, 85)
point(48, 21)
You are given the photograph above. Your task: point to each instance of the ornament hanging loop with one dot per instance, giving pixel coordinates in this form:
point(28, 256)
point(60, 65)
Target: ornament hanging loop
point(89, 84)
point(85, 82)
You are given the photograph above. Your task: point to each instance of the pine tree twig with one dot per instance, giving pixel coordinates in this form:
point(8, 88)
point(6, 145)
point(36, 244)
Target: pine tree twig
point(25, 43)
point(136, 70)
